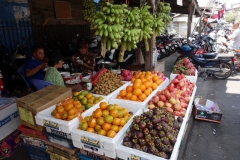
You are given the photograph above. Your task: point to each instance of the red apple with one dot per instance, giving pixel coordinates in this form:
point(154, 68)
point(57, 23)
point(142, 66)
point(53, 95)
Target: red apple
point(183, 93)
point(182, 114)
point(160, 104)
point(176, 113)
point(159, 93)
point(155, 99)
point(175, 81)
point(167, 104)
point(181, 83)
point(167, 95)
point(187, 99)
point(177, 107)
point(150, 102)
point(169, 109)
point(183, 104)
point(162, 98)
point(170, 88)
point(151, 106)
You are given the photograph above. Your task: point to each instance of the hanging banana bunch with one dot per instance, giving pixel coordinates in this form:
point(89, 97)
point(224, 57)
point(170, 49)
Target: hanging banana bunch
point(146, 22)
point(131, 32)
point(164, 10)
point(88, 10)
point(108, 24)
point(158, 27)
point(103, 2)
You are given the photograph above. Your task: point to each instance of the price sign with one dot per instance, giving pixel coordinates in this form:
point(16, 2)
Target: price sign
point(91, 142)
point(50, 124)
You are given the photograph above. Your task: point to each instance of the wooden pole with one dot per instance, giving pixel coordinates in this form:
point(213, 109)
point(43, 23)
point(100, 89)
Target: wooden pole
point(190, 14)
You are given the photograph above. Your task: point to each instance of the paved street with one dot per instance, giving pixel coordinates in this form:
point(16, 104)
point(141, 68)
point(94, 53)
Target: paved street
point(201, 143)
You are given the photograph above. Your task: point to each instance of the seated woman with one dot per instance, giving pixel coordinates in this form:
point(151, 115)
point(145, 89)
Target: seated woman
point(55, 61)
point(88, 62)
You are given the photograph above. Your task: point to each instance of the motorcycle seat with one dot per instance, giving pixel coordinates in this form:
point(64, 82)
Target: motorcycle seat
point(210, 55)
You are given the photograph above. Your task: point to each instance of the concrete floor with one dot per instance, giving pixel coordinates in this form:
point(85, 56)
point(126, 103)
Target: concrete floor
point(199, 142)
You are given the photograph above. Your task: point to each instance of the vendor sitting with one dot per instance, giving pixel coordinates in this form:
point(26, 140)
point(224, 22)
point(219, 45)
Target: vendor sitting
point(55, 61)
point(87, 61)
point(35, 65)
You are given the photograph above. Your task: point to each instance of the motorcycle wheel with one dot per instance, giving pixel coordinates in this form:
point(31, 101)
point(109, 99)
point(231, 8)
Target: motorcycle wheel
point(224, 67)
point(168, 52)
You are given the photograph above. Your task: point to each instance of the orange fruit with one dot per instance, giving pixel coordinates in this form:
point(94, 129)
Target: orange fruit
point(97, 127)
point(58, 116)
point(106, 126)
point(84, 126)
point(78, 106)
point(116, 106)
point(150, 90)
point(142, 76)
point(129, 89)
point(105, 113)
point(54, 112)
point(119, 128)
point(89, 96)
point(70, 117)
point(128, 95)
point(147, 84)
point(111, 133)
point(155, 78)
point(75, 94)
point(125, 111)
point(101, 132)
point(103, 105)
point(142, 88)
point(137, 81)
point(114, 113)
point(136, 85)
point(100, 121)
point(87, 118)
point(147, 92)
point(68, 106)
point(108, 119)
point(142, 97)
point(133, 79)
point(91, 130)
point(110, 107)
point(64, 115)
point(154, 86)
point(148, 73)
point(158, 82)
point(123, 93)
point(119, 97)
point(92, 122)
point(148, 77)
point(71, 112)
point(143, 80)
point(60, 109)
point(115, 128)
point(116, 121)
point(134, 98)
point(137, 91)
point(76, 102)
point(123, 121)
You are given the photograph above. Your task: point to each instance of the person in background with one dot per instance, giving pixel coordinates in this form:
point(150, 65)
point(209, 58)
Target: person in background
point(34, 66)
point(55, 61)
point(209, 28)
point(235, 36)
point(86, 61)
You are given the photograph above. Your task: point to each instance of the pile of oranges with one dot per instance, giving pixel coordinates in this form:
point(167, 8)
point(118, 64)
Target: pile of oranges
point(143, 83)
point(107, 120)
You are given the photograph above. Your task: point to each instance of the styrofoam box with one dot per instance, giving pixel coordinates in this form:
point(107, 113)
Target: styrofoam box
point(9, 120)
point(124, 152)
point(192, 79)
point(116, 92)
point(143, 104)
point(59, 133)
point(44, 118)
point(102, 145)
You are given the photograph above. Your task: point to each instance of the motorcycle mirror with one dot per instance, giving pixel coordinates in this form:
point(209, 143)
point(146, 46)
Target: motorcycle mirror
point(190, 38)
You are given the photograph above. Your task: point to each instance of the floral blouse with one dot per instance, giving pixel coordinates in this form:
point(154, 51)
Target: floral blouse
point(53, 76)
point(87, 59)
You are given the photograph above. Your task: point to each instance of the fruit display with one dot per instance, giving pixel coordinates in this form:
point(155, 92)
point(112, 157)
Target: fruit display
point(107, 83)
point(184, 66)
point(88, 10)
point(107, 120)
point(164, 10)
point(175, 98)
point(73, 107)
point(143, 83)
point(154, 132)
point(126, 75)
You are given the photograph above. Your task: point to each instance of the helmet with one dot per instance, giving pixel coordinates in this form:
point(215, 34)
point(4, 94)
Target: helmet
point(186, 48)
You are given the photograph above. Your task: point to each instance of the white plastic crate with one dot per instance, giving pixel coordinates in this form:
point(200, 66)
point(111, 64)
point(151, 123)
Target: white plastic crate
point(143, 104)
point(192, 79)
point(108, 97)
point(44, 118)
point(124, 152)
point(101, 144)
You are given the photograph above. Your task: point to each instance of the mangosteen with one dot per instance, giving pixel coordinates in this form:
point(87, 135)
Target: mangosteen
point(161, 134)
point(163, 123)
point(128, 144)
point(170, 124)
point(165, 128)
point(176, 125)
point(153, 132)
point(144, 148)
point(170, 148)
point(139, 134)
point(173, 140)
point(163, 119)
point(134, 134)
point(142, 125)
point(157, 141)
point(146, 131)
point(152, 150)
point(151, 143)
point(180, 119)
point(142, 142)
point(158, 127)
point(166, 120)
point(155, 119)
point(165, 140)
point(147, 120)
point(149, 114)
point(136, 120)
point(149, 125)
point(156, 111)
point(126, 138)
point(162, 154)
point(136, 127)
point(148, 138)
point(135, 140)
point(137, 146)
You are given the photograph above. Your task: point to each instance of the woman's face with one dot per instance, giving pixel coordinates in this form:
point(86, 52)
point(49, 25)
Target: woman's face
point(60, 64)
point(82, 51)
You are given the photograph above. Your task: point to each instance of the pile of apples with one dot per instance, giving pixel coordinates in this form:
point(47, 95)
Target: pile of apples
point(175, 98)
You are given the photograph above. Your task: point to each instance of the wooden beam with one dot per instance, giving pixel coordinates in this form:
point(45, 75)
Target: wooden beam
point(194, 2)
point(190, 14)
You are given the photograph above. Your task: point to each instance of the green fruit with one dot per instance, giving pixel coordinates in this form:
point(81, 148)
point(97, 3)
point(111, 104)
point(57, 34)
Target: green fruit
point(84, 92)
point(80, 97)
point(88, 106)
point(84, 100)
point(83, 108)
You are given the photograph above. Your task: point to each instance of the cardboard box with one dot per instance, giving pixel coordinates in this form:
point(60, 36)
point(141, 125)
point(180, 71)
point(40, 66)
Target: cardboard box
point(10, 144)
point(9, 120)
point(30, 105)
point(36, 153)
point(207, 110)
point(92, 155)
